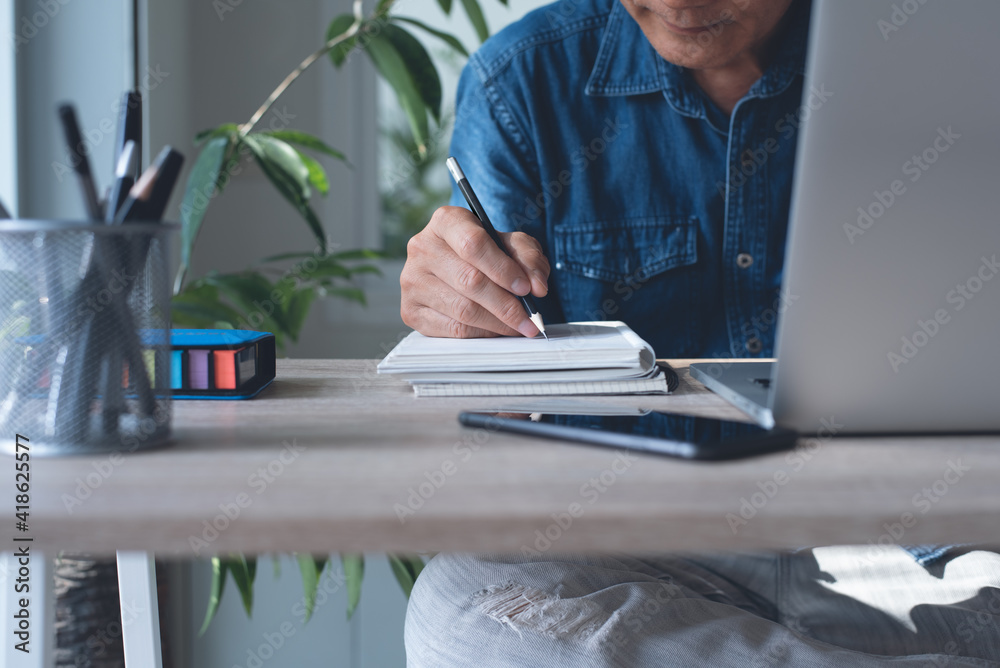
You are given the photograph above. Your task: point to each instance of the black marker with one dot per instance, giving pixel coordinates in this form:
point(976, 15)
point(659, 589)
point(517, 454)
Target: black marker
point(81, 164)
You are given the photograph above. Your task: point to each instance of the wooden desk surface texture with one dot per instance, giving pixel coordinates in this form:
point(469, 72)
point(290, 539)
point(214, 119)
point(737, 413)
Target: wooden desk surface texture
point(332, 457)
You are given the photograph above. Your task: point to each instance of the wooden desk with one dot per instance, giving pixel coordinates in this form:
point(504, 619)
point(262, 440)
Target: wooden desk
point(327, 456)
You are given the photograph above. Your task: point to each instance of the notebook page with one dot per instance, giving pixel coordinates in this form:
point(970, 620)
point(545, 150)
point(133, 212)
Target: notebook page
point(570, 346)
point(656, 385)
point(549, 376)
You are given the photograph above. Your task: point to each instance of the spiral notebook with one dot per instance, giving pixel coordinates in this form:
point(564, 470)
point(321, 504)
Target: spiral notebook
point(578, 358)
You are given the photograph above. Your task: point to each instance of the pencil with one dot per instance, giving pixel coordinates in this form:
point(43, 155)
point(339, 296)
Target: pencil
point(149, 196)
point(484, 220)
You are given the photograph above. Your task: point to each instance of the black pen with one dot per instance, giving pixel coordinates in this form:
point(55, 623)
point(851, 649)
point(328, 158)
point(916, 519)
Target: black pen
point(81, 164)
point(130, 127)
point(477, 208)
point(124, 181)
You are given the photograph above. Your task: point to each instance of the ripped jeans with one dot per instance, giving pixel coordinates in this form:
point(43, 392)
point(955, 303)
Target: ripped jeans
point(832, 606)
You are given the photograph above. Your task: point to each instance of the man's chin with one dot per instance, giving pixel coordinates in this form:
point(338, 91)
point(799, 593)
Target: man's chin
point(692, 54)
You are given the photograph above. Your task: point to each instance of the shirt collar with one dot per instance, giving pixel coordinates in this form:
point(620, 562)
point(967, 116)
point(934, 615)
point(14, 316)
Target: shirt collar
point(627, 64)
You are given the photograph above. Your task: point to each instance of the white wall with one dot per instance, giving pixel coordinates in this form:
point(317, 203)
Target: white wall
point(8, 128)
point(61, 61)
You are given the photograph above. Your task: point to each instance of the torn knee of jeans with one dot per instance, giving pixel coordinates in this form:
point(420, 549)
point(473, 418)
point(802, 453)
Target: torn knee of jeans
point(526, 609)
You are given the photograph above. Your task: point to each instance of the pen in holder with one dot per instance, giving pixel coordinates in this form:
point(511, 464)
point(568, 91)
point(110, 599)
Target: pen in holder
point(84, 335)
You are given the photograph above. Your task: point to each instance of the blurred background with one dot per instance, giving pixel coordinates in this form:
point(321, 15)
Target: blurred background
point(200, 63)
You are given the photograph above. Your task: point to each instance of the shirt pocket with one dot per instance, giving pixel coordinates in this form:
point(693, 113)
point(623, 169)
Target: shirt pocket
point(643, 271)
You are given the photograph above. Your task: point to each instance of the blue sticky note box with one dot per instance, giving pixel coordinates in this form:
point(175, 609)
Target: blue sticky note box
point(220, 363)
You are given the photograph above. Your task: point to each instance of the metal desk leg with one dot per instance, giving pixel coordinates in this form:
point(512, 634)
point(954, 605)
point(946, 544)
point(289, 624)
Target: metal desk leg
point(140, 616)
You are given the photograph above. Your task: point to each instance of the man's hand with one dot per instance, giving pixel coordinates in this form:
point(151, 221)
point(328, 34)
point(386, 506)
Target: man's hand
point(458, 284)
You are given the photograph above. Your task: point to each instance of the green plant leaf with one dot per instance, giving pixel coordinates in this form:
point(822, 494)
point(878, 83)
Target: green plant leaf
point(329, 268)
point(354, 573)
point(336, 270)
point(219, 569)
point(421, 68)
point(288, 185)
point(294, 255)
point(306, 141)
point(359, 254)
point(311, 569)
point(445, 6)
point(199, 305)
point(365, 269)
point(317, 175)
point(350, 294)
point(338, 27)
point(252, 292)
point(393, 69)
point(202, 184)
point(281, 156)
point(450, 40)
point(244, 288)
point(244, 570)
point(477, 19)
point(298, 309)
point(199, 316)
point(406, 568)
point(224, 130)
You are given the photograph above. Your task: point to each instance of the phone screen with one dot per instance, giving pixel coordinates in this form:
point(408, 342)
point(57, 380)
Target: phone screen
point(671, 434)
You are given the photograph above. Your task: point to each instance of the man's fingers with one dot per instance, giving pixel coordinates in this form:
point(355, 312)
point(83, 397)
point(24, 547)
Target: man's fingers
point(528, 253)
point(429, 322)
point(474, 284)
point(445, 300)
point(471, 242)
point(458, 282)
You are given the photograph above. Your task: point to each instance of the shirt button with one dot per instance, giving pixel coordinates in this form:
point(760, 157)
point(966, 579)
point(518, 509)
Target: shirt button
point(754, 345)
point(747, 159)
point(558, 265)
point(744, 260)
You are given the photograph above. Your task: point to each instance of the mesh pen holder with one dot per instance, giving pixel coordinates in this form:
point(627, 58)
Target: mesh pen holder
point(84, 336)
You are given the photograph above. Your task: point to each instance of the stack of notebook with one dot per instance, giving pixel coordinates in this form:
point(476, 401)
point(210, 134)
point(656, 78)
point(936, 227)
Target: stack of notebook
point(577, 358)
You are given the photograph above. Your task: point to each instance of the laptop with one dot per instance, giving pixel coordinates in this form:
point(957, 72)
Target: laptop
point(892, 269)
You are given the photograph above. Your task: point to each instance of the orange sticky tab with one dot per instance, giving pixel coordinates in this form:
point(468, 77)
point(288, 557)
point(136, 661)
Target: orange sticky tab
point(225, 369)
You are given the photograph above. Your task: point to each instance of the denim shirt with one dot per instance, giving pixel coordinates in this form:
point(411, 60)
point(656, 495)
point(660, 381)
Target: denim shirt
point(653, 207)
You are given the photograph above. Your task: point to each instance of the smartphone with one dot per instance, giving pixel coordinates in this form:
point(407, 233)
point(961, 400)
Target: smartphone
point(671, 434)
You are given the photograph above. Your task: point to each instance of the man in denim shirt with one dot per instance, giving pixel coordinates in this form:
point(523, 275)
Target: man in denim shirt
point(639, 154)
